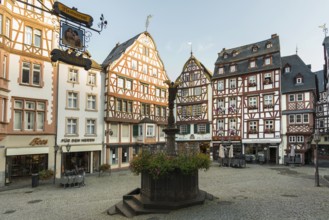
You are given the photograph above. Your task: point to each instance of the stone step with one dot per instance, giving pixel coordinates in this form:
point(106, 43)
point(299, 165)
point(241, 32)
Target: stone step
point(138, 209)
point(112, 211)
point(124, 210)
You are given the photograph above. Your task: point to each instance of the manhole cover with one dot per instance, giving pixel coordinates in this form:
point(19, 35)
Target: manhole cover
point(9, 211)
point(34, 201)
point(287, 195)
point(224, 203)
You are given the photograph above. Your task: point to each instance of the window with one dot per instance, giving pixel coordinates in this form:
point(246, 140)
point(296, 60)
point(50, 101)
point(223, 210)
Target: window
point(220, 85)
point(3, 110)
point(183, 129)
point(163, 93)
point(268, 100)
point(72, 100)
point(157, 92)
point(299, 97)
point(140, 129)
point(91, 102)
point(300, 139)
point(120, 82)
point(221, 103)
point(73, 75)
point(91, 127)
point(91, 79)
point(296, 139)
point(252, 102)
point(232, 68)
point(225, 55)
point(234, 53)
point(150, 131)
point(32, 37)
point(232, 124)
point(267, 61)
point(129, 107)
point(232, 101)
point(321, 123)
point(197, 91)
point(252, 64)
point(291, 119)
point(305, 118)
point(4, 67)
point(254, 48)
point(201, 128)
point(268, 45)
point(221, 70)
point(7, 31)
point(252, 80)
point(196, 109)
point(292, 139)
point(114, 128)
point(158, 111)
point(37, 38)
point(164, 112)
point(232, 83)
point(114, 155)
point(128, 84)
point(125, 155)
point(299, 80)
point(28, 35)
point(267, 78)
point(162, 134)
point(134, 64)
point(184, 92)
point(145, 109)
point(291, 98)
point(37, 4)
point(125, 131)
point(144, 69)
point(186, 77)
point(146, 51)
point(29, 115)
point(155, 72)
point(268, 124)
point(298, 118)
point(144, 88)
point(31, 74)
point(287, 69)
point(253, 126)
point(0, 23)
point(220, 123)
point(71, 126)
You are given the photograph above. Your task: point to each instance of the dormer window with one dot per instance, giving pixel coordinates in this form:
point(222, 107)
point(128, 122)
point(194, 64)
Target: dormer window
point(254, 48)
point(269, 45)
point(267, 61)
point(299, 80)
point(225, 56)
point(287, 69)
point(234, 53)
point(232, 68)
point(252, 64)
point(221, 70)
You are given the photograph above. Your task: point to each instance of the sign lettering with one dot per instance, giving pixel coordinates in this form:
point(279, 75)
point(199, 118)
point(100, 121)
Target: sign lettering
point(38, 141)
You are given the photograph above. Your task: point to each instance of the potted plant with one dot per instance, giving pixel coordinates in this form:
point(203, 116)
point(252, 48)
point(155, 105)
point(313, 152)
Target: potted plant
point(46, 174)
point(104, 168)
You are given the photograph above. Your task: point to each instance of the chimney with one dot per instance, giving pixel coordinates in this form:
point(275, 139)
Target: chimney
point(274, 35)
point(309, 66)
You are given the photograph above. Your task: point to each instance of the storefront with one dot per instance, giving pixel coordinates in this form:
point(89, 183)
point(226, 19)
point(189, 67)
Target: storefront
point(237, 148)
point(261, 152)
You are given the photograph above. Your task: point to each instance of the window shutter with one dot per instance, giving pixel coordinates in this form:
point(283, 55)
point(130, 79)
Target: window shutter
point(188, 129)
point(135, 130)
point(207, 128)
point(195, 128)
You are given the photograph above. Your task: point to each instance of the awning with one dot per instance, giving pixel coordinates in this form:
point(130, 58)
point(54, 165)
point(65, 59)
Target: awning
point(14, 151)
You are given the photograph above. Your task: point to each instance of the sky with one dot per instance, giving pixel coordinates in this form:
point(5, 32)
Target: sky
point(210, 25)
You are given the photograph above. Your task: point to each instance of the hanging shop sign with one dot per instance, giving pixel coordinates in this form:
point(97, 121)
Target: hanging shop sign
point(70, 58)
point(72, 36)
point(72, 14)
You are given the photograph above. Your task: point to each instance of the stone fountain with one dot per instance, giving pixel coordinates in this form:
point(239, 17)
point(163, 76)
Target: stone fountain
point(166, 193)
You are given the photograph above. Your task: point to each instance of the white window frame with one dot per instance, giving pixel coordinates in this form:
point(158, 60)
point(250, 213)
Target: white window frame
point(232, 68)
point(287, 69)
point(268, 99)
point(299, 97)
point(71, 126)
point(72, 100)
point(73, 75)
point(221, 70)
point(91, 79)
point(252, 101)
point(267, 61)
point(292, 139)
point(292, 98)
point(252, 64)
point(90, 126)
point(232, 83)
point(91, 102)
point(220, 85)
point(201, 128)
point(150, 130)
point(121, 82)
point(197, 91)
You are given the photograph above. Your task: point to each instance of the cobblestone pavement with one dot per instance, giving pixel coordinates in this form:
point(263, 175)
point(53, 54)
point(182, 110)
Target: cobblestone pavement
point(254, 192)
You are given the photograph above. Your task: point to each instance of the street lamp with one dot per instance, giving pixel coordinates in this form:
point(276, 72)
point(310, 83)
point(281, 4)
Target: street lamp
point(68, 147)
point(316, 164)
point(56, 148)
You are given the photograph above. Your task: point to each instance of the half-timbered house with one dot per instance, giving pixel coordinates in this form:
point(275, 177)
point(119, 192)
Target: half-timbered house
point(246, 99)
point(135, 99)
point(193, 107)
point(27, 89)
point(298, 108)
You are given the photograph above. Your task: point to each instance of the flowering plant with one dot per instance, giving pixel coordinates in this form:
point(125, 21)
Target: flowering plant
point(160, 164)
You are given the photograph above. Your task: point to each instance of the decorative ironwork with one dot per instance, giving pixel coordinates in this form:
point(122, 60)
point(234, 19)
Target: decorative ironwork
point(103, 23)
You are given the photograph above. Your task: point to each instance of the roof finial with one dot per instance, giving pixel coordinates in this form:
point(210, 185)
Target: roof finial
point(324, 29)
point(147, 23)
point(190, 43)
point(296, 49)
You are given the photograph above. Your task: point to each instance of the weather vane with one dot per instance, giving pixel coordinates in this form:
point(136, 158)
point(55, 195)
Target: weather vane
point(324, 28)
point(148, 21)
point(190, 43)
point(103, 23)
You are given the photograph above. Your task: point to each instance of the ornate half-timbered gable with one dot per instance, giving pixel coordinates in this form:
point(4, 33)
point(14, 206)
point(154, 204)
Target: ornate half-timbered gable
point(246, 98)
point(298, 105)
point(134, 90)
point(193, 106)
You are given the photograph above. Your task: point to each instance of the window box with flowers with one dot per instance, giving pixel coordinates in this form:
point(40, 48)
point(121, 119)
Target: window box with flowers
point(252, 84)
point(231, 109)
point(269, 130)
point(268, 106)
point(232, 132)
point(252, 131)
point(221, 110)
point(252, 107)
point(267, 81)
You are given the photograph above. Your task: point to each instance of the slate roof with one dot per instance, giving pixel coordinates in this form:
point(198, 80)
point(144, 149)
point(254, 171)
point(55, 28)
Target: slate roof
point(298, 67)
point(204, 68)
point(320, 81)
point(245, 54)
point(118, 50)
point(147, 120)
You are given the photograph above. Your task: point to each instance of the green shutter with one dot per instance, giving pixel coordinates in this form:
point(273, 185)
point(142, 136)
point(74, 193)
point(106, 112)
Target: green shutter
point(195, 128)
point(135, 130)
point(207, 128)
point(188, 129)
